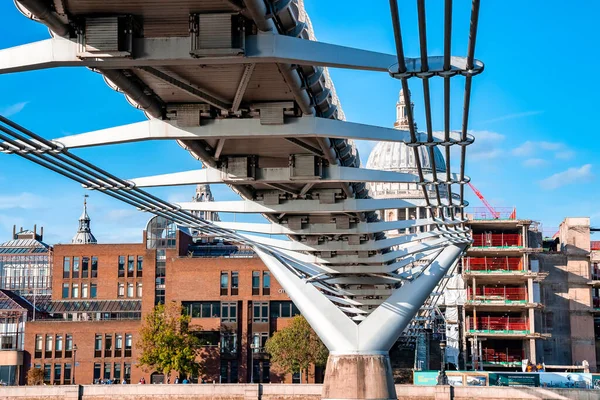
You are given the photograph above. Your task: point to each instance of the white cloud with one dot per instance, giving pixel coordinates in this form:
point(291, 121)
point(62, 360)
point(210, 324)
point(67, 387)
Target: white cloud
point(513, 116)
point(14, 109)
point(571, 175)
point(23, 200)
point(486, 145)
point(565, 155)
point(543, 148)
point(534, 162)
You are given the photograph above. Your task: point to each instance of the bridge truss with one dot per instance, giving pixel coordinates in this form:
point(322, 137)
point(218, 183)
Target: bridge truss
point(244, 87)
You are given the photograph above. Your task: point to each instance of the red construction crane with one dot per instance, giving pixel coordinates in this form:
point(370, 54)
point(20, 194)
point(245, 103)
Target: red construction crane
point(494, 213)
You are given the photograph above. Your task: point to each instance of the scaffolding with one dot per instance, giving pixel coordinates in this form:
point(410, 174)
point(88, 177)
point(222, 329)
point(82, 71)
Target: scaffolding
point(503, 293)
point(497, 240)
point(492, 264)
point(491, 324)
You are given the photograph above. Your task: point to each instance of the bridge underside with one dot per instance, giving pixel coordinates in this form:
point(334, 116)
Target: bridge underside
point(244, 87)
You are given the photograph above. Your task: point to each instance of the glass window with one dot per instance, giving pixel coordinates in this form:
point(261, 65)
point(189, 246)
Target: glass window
point(108, 342)
point(84, 290)
point(49, 340)
point(67, 374)
point(97, 371)
point(75, 290)
point(67, 267)
point(75, 267)
point(121, 290)
point(130, 290)
point(85, 265)
point(161, 233)
point(93, 291)
point(128, 343)
point(229, 312)
point(47, 372)
point(39, 343)
point(98, 346)
point(127, 370)
point(107, 371)
point(229, 342)
point(260, 312)
point(85, 268)
point(68, 346)
point(130, 266)
point(118, 344)
point(121, 266)
point(266, 283)
point(65, 291)
point(58, 344)
point(57, 373)
point(94, 267)
point(255, 283)
point(224, 283)
point(139, 290)
point(117, 373)
point(140, 265)
point(234, 283)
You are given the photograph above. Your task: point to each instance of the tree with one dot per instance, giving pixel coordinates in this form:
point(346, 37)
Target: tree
point(296, 347)
point(166, 342)
point(35, 376)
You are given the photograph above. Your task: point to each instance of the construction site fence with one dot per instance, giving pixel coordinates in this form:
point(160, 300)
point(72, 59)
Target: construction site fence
point(493, 263)
point(563, 380)
point(497, 293)
point(497, 240)
point(498, 324)
point(482, 213)
point(595, 244)
point(504, 355)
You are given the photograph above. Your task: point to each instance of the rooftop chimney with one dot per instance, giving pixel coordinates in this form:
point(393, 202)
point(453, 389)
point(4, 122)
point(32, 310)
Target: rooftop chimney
point(34, 230)
point(41, 233)
point(14, 231)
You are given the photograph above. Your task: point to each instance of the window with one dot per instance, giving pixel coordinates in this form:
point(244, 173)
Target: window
point(85, 268)
point(130, 290)
point(94, 267)
point(140, 266)
point(117, 373)
point(75, 267)
point(69, 346)
point(58, 346)
point(108, 342)
point(258, 341)
point(67, 267)
point(97, 371)
point(84, 290)
point(98, 346)
point(255, 283)
point(121, 266)
point(127, 375)
point(39, 343)
point(85, 265)
point(235, 280)
point(118, 344)
point(229, 312)
point(224, 283)
point(266, 283)
point(65, 291)
point(67, 374)
point(57, 373)
point(120, 290)
point(49, 340)
point(47, 372)
point(128, 343)
point(139, 290)
point(260, 312)
point(93, 291)
point(228, 342)
point(296, 377)
point(130, 266)
point(107, 371)
point(202, 309)
point(75, 290)
point(283, 309)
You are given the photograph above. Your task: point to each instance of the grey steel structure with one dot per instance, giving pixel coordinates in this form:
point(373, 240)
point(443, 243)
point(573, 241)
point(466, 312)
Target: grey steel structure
point(243, 86)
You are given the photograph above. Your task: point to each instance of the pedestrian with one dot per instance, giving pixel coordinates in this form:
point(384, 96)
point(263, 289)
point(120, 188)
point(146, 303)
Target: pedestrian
point(168, 380)
point(185, 381)
point(124, 382)
point(176, 380)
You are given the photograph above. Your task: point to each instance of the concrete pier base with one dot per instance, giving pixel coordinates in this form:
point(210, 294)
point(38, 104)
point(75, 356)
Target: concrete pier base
point(359, 377)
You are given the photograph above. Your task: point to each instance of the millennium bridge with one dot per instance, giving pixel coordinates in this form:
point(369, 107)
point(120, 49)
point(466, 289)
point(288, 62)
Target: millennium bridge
point(243, 86)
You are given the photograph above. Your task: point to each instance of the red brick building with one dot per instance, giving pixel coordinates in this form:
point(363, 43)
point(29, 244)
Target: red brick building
point(102, 292)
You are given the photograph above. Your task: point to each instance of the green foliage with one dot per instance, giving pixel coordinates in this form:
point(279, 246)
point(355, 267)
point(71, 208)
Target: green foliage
point(167, 344)
point(296, 347)
point(35, 376)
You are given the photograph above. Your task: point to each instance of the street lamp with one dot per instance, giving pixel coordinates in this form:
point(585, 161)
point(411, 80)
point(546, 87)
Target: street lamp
point(252, 347)
point(443, 378)
point(74, 361)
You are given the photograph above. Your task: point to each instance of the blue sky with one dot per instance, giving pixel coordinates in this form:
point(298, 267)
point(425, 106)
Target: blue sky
point(533, 113)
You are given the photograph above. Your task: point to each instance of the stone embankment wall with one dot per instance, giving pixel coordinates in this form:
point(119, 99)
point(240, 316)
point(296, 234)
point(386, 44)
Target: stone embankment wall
point(278, 392)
